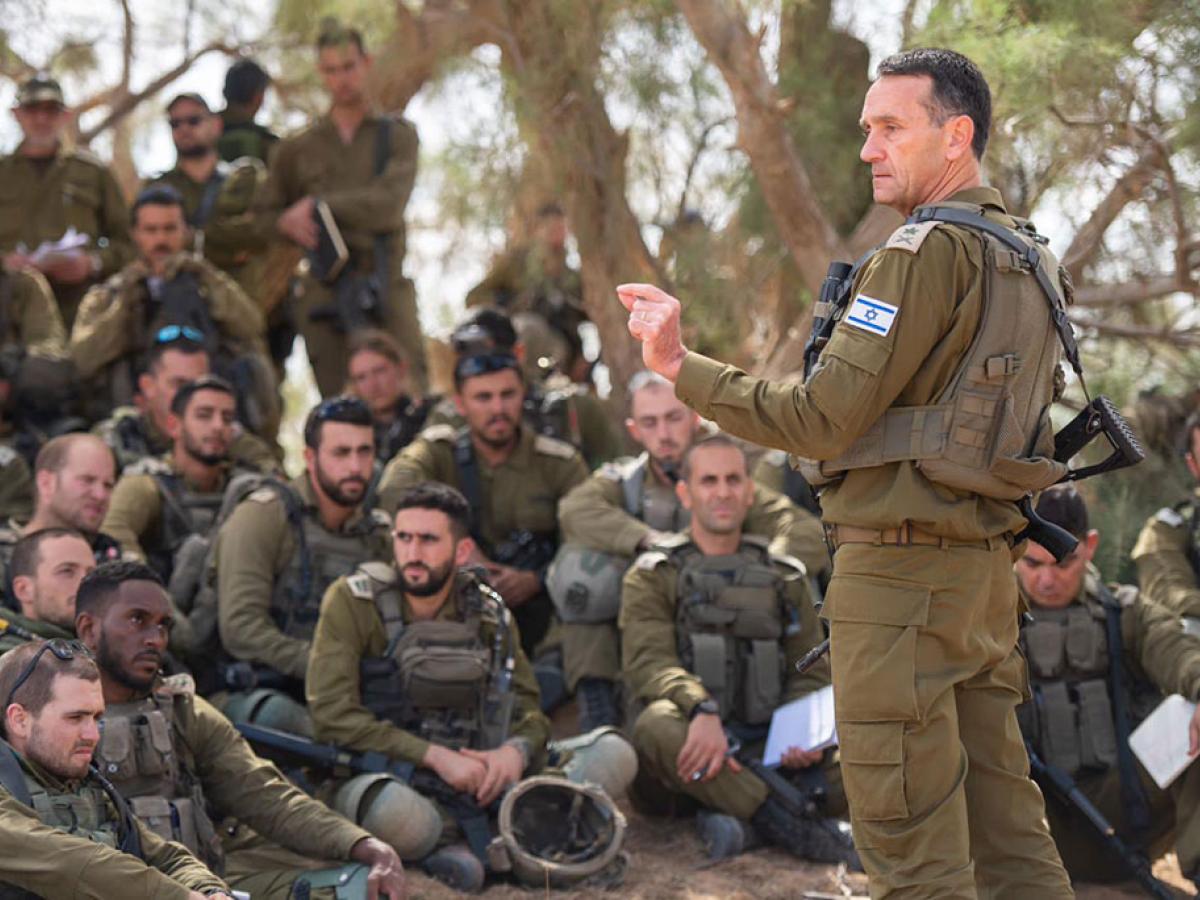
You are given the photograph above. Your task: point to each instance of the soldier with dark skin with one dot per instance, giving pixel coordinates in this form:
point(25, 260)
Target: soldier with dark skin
point(51, 728)
point(217, 196)
point(280, 834)
point(681, 733)
point(46, 569)
point(335, 161)
point(597, 515)
point(1077, 729)
point(267, 594)
point(427, 588)
point(51, 189)
point(246, 85)
point(378, 373)
point(922, 604)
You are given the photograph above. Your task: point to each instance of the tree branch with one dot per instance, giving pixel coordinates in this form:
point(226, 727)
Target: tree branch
point(1187, 338)
point(1100, 296)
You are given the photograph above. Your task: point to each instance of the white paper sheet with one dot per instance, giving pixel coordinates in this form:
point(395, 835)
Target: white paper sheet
point(1161, 741)
point(806, 723)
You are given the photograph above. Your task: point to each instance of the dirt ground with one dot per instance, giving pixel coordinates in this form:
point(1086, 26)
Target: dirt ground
point(667, 862)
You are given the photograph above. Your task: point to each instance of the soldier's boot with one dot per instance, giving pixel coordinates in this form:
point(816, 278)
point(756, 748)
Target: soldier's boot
point(723, 835)
point(814, 839)
point(457, 867)
point(597, 699)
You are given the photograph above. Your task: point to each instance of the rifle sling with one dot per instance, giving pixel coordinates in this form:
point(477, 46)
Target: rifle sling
point(471, 484)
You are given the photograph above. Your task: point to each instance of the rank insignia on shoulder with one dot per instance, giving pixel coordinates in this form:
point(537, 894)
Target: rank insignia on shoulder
point(871, 315)
point(910, 236)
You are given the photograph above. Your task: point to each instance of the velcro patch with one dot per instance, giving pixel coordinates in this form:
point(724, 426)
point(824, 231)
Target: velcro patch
point(871, 315)
point(910, 236)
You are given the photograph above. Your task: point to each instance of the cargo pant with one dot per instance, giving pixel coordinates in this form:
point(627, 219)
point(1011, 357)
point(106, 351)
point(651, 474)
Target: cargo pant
point(591, 650)
point(927, 677)
point(327, 345)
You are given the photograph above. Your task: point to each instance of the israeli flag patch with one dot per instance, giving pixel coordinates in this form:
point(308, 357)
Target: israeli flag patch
point(872, 315)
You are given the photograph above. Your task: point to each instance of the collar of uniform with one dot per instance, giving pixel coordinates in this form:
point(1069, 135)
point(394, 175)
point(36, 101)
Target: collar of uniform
point(450, 610)
point(226, 466)
point(39, 627)
point(303, 486)
point(522, 456)
point(49, 781)
point(326, 123)
point(983, 196)
point(58, 155)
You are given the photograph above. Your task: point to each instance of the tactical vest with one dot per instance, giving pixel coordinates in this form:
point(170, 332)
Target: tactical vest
point(988, 432)
point(440, 679)
point(660, 509)
point(140, 753)
point(731, 620)
point(184, 512)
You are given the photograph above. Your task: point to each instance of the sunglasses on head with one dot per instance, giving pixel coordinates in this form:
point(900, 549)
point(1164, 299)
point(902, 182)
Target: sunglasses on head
point(171, 333)
point(193, 121)
point(484, 364)
point(336, 406)
point(63, 649)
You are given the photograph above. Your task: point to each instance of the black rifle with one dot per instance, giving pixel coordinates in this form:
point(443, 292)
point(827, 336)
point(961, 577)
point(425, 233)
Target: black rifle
point(1061, 785)
point(295, 750)
point(526, 550)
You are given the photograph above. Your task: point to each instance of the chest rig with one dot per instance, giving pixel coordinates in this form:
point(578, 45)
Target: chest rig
point(441, 679)
point(185, 512)
point(141, 753)
point(988, 431)
point(658, 507)
point(732, 617)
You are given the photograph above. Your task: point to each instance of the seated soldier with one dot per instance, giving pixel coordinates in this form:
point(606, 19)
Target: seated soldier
point(1100, 659)
point(275, 555)
point(712, 625)
point(46, 569)
point(137, 431)
point(64, 830)
point(190, 777)
point(553, 405)
point(73, 476)
point(377, 373)
point(163, 294)
point(422, 662)
point(623, 509)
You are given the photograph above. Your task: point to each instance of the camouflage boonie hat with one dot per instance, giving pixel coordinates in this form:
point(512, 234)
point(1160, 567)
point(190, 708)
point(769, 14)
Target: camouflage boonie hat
point(41, 88)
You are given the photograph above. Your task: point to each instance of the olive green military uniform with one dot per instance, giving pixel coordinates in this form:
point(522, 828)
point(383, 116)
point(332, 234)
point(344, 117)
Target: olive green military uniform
point(654, 640)
point(318, 163)
point(1071, 723)
point(595, 515)
point(255, 565)
point(244, 137)
point(178, 762)
point(229, 236)
point(133, 436)
point(519, 495)
point(1164, 552)
point(37, 627)
point(926, 671)
point(69, 850)
point(40, 200)
point(558, 408)
point(119, 319)
point(774, 471)
point(16, 485)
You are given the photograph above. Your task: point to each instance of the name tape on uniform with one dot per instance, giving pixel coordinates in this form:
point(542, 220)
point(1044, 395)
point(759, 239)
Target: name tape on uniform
point(872, 315)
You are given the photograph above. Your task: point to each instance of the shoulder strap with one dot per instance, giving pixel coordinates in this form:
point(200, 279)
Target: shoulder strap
point(472, 486)
point(11, 775)
point(208, 202)
point(166, 489)
point(383, 150)
point(631, 487)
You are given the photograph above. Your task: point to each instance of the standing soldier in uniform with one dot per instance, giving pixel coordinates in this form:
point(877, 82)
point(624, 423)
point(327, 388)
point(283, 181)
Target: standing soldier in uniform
point(190, 777)
point(923, 604)
point(63, 828)
point(1100, 659)
point(512, 479)
point(48, 190)
point(246, 85)
point(279, 551)
point(46, 569)
point(625, 508)
point(448, 687)
point(217, 196)
point(362, 165)
point(698, 608)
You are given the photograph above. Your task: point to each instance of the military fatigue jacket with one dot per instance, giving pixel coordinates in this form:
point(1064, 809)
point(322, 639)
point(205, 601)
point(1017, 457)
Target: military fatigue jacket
point(938, 292)
point(244, 137)
point(349, 630)
point(520, 494)
point(29, 318)
point(594, 515)
point(115, 320)
point(318, 163)
point(650, 663)
point(38, 627)
point(133, 436)
point(16, 485)
point(253, 550)
point(1164, 553)
point(52, 863)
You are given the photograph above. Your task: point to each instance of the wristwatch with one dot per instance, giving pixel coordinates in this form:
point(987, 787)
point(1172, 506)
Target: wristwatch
point(708, 706)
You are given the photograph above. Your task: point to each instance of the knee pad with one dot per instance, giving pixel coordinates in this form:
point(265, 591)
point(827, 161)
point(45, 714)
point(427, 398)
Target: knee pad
point(268, 708)
point(392, 811)
point(605, 758)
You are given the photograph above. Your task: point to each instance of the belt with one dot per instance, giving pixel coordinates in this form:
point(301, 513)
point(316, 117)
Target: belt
point(904, 536)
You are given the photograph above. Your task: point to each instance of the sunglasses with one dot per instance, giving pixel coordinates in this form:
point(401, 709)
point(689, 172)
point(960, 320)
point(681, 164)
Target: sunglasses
point(336, 406)
point(191, 121)
point(485, 364)
point(168, 334)
point(63, 649)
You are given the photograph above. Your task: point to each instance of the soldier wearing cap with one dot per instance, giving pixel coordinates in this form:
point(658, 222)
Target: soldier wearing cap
point(246, 85)
point(216, 195)
point(50, 190)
